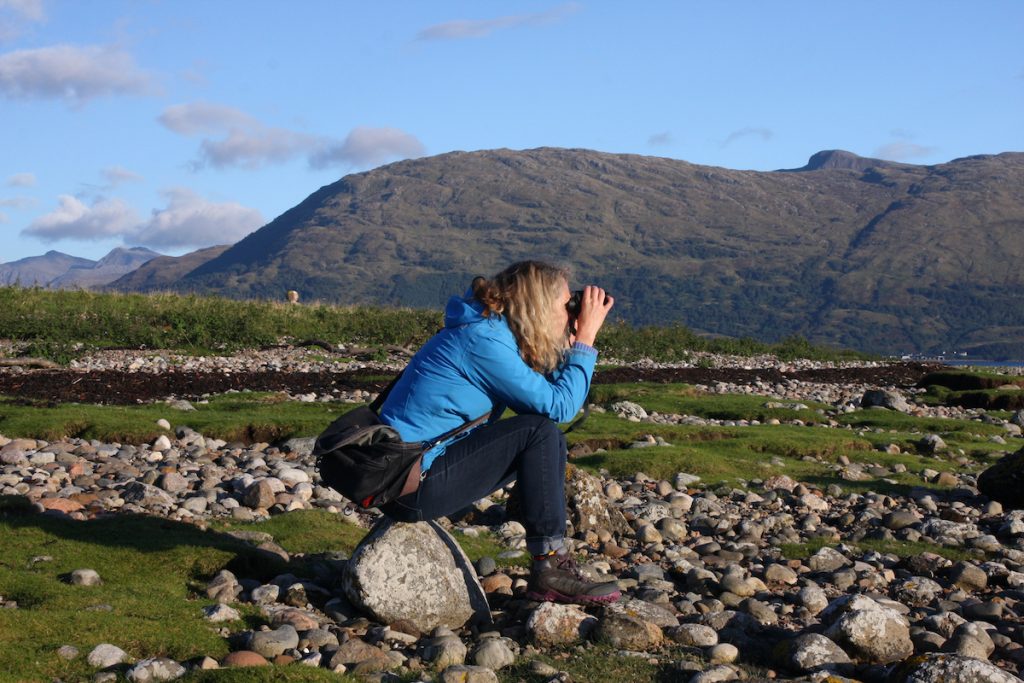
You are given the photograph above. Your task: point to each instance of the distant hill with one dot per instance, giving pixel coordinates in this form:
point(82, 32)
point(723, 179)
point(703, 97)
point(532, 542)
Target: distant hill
point(874, 255)
point(162, 272)
point(40, 270)
point(117, 262)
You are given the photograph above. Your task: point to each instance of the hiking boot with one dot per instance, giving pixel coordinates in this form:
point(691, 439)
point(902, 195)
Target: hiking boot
point(556, 578)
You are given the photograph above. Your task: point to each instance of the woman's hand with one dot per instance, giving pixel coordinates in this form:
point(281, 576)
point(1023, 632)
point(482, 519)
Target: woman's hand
point(594, 308)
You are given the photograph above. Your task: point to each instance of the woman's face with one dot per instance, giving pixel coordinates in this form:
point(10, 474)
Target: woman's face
point(560, 314)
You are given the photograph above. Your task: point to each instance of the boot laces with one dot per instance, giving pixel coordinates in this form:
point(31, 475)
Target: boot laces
point(567, 563)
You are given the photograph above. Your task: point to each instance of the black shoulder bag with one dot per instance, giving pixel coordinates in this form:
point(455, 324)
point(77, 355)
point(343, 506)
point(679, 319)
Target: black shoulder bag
point(366, 460)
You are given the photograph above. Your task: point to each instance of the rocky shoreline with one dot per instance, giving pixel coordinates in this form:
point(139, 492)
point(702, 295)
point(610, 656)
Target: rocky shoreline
point(708, 591)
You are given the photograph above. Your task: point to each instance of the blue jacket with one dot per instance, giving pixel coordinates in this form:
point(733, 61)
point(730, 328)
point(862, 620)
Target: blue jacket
point(473, 366)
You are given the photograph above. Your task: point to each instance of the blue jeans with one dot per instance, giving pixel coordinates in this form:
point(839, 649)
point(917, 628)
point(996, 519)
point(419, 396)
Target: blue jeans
point(527, 449)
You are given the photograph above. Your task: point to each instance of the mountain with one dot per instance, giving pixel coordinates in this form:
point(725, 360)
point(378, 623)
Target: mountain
point(117, 262)
point(40, 270)
point(863, 253)
point(162, 272)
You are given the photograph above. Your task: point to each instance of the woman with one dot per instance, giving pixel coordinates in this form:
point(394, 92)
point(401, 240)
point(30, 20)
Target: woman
point(505, 344)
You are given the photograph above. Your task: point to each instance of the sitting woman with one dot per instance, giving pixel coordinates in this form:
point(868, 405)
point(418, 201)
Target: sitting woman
point(506, 344)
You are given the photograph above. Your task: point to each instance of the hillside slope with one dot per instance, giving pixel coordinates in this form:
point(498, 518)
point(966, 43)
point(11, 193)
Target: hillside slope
point(875, 255)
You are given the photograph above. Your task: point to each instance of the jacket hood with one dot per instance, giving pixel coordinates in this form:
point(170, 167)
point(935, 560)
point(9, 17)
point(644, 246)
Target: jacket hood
point(462, 310)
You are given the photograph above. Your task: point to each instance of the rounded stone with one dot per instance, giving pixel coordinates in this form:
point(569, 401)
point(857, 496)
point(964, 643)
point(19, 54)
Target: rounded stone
point(241, 658)
point(723, 653)
point(273, 643)
point(105, 654)
point(85, 577)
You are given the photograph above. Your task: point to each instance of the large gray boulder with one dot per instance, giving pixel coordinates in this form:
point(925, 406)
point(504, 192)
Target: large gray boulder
point(588, 505)
point(867, 630)
point(946, 668)
point(1004, 481)
point(415, 572)
point(885, 398)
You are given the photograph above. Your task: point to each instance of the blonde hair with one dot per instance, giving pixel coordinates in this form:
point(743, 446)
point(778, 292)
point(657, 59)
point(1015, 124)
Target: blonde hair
point(525, 294)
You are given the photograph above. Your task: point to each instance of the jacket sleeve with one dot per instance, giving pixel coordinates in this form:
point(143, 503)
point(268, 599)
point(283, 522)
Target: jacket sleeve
point(496, 367)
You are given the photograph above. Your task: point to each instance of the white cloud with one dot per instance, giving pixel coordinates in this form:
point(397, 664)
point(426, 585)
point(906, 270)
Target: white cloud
point(74, 220)
point(660, 139)
point(369, 147)
point(72, 73)
point(15, 14)
point(191, 221)
point(763, 133)
point(243, 141)
point(188, 220)
point(203, 117)
point(118, 175)
point(901, 151)
point(29, 10)
point(22, 180)
point(480, 28)
point(256, 147)
point(18, 202)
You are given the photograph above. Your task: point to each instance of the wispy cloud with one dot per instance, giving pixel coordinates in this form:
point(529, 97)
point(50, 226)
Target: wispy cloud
point(4, 218)
point(191, 221)
point(16, 14)
point(902, 151)
point(764, 133)
point(368, 147)
point(29, 10)
point(234, 138)
point(73, 219)
point(18, 202)
point(660, 139)
point(75, 74)
point(197, 118)
point(461, 29)
point(21, 180)
point(187, 220)
point(118, 175)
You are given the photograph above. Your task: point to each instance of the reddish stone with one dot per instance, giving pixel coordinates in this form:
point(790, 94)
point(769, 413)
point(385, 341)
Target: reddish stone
point(244, 658)
point(84, 498)
point(282, 660)
point(497, 583)
point(60, 504)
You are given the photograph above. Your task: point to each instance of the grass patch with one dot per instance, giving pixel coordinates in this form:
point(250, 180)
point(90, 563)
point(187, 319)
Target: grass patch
point(736, 455)
point(684, 399)
point(246, 417)
point(801, 551)
point(147, 565)
point(153, 572)
point(61, 325)
point(600, 664)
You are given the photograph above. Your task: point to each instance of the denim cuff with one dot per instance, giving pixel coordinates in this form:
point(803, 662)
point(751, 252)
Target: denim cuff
point(585, 348)
point(542, 545)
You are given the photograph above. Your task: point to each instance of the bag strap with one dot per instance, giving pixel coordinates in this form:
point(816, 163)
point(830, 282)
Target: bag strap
point(579, 420)
point(383, 395)
point(458, 430)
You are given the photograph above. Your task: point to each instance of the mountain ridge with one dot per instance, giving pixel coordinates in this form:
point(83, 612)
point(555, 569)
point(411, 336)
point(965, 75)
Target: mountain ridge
point(870, 254)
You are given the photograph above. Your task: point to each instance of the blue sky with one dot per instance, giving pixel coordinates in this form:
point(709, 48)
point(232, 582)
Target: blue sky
point(181, 124)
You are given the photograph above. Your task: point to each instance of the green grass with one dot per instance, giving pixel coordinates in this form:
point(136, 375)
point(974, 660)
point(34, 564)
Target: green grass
point(249, 417)
point(601, 664)
point(801, 551)
point(684, 399)
point(733, 455)
point(153, 573)
point(149, 569)
point(62, 325)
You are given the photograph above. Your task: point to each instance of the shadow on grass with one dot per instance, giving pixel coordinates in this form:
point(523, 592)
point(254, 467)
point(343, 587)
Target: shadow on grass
point(146, 534)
